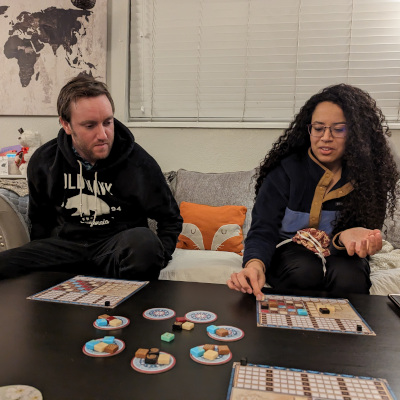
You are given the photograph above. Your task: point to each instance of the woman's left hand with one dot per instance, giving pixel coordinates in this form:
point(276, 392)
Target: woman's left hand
point(361, 241)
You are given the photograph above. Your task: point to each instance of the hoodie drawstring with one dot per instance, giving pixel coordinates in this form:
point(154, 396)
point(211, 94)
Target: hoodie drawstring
point(80, 187)
point(95, 199)
point(81, 194)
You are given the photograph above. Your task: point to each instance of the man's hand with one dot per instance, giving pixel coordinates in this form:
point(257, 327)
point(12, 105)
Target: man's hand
point(361, 241)
point(249, 280)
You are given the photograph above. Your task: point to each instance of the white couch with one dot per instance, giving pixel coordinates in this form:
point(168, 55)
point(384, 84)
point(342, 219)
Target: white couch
point(214, 189)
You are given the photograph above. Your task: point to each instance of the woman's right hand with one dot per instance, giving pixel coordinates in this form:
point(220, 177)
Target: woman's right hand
point(249, 280)
point(361, 241)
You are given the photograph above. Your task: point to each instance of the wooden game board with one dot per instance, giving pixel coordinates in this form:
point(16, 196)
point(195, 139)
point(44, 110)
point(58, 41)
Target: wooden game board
point(90, 291)
point(277, 383)
point(310, 313)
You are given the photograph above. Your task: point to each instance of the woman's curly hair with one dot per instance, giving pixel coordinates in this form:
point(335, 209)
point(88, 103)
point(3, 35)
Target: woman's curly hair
point(367, 157)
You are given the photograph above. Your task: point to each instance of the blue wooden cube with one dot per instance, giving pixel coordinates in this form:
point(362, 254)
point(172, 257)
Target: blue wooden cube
point(101, 322)
point(90, 345)
point(108, 339)
point(212, 329)
point(197, 351)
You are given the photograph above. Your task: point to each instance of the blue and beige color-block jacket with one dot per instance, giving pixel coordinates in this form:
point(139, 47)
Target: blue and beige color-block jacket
point(293, 196)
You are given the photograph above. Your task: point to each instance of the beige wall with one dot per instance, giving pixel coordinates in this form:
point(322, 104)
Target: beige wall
point(204, 149)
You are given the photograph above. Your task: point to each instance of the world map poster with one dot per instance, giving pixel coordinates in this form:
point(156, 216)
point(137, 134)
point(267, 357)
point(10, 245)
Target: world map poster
point(45, 43)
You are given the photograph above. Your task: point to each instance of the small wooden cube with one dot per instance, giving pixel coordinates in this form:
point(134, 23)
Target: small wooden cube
point(208, 347)
point(197, 351)
point(100, 347)
point(188, 326)
point(108, 339)
point(177, 326)
point(164, 359)
point(103, 316)
point(223, 349)
point(210, 355)
point(167, 337)
point(151, 359)
point(90, 345)
point(212, 328)
point(115, 322)
point(111, 348)
point(222, 332)
point(141, 353)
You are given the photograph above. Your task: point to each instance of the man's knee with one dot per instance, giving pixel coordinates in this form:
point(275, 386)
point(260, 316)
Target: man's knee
point(142, 256)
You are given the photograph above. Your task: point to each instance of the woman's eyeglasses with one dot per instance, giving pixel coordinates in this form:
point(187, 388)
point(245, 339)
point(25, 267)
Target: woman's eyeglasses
point(337, 130)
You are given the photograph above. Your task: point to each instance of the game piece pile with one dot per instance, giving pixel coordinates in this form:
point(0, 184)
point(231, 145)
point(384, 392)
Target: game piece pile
point(179, 325)
point(182, 324)
point(153, 356)
point(105, 345)
point(217, 331)
point(209, 351)
point(108, 320)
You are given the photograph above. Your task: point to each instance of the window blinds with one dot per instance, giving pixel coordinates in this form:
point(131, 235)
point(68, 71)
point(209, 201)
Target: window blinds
point(258, 60)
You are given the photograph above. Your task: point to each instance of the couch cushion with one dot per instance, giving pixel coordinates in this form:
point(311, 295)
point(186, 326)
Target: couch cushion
point(385, 282)
point(392, 225)
point(201, 266)
point(217, 189)
point(170, 179)
point(385, 270)
point(13, 229)
point(212, 228)
point(19, 202)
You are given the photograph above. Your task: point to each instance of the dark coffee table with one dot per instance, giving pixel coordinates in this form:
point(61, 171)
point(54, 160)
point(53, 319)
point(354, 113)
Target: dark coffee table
point(41, 343)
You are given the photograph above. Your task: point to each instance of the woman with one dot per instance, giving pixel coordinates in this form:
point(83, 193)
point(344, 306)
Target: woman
point(331, 170)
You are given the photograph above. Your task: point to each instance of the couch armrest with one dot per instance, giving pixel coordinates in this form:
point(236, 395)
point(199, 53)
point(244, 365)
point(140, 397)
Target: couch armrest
point(13, 229)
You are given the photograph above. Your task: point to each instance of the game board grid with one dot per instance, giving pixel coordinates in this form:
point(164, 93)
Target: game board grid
point(90, 291)
point(77, 285)
point(310, 384)
point(282, 317)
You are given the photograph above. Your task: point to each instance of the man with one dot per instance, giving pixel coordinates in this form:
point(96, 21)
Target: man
point(91, 191)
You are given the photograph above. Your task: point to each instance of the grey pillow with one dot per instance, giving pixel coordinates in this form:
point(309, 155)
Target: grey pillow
point(217, 189)
point(170, 178)
point(19, 202)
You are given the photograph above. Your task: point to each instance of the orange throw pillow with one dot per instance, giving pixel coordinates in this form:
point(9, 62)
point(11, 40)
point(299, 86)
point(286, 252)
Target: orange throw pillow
point(212, 228)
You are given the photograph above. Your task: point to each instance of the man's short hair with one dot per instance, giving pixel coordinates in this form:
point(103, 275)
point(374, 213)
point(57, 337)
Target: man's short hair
point(77, 88)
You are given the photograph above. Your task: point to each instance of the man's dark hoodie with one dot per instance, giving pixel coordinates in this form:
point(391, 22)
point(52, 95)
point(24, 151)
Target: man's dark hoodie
point(120, 192)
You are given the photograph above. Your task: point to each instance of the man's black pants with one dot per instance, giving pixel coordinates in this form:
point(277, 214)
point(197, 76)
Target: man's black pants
point(134, 254)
